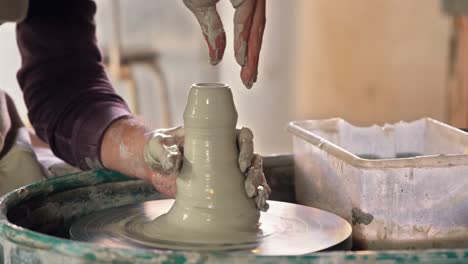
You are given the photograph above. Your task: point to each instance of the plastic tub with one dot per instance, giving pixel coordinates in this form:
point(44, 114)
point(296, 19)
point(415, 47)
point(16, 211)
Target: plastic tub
point(401, 186)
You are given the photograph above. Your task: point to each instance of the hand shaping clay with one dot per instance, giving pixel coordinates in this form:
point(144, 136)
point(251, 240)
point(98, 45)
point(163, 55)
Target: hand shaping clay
point(211, 204)
point(212, 210)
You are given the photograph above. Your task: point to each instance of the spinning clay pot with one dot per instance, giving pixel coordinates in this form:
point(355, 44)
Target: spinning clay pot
point(211, 204)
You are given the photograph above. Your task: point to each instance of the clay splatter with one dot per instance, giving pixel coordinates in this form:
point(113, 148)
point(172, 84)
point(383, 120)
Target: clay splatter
point(359, 217)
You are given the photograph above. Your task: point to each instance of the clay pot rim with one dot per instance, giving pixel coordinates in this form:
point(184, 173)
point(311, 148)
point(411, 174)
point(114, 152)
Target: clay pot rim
point(210, 85)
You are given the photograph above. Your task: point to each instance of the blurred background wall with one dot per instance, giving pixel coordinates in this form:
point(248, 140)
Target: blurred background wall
point(368, 61)
point(372, 61)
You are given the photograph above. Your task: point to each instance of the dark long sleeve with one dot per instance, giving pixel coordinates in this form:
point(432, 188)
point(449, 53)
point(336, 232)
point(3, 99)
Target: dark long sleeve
point(69, 98)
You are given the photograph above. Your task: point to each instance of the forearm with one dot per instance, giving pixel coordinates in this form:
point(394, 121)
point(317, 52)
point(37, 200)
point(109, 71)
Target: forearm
point(122, 147)
point(70, 100)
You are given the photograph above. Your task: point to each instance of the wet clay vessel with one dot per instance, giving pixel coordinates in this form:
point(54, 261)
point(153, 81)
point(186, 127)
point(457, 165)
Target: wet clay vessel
point(211, 204)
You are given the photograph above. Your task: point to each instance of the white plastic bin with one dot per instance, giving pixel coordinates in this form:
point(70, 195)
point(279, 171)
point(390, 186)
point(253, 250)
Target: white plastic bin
point(401, 186)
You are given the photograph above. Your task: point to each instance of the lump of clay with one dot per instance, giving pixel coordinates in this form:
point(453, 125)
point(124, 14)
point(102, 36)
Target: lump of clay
point(211, 204)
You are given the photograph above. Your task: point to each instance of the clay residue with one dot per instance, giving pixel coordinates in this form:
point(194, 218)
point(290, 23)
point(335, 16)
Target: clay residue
point(359, 217)
point(241, 45)
point(213, 31)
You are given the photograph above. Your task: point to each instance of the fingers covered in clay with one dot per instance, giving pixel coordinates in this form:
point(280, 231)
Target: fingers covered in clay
point(251, 164)
point(163, 151)
point(261, 199)
point(254, 176)
point(256, 185)
point(246, 149)
point(242, 25)
point(174, 135)
point(249, 71)
point(249, 26)
point(211, 26)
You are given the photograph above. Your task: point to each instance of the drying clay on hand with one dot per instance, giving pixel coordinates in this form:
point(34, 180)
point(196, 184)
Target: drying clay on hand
point(211, 203)
point(162, 152)
point(245, 143)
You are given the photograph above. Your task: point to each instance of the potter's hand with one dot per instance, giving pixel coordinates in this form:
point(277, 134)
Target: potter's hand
point(249, 25)
point(164, 154)
point(251, 164)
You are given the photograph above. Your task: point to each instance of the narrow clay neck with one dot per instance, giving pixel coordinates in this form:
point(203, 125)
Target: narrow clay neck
point(210, 123)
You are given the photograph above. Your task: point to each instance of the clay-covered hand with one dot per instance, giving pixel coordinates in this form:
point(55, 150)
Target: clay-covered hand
point(164, 154)
point(251, 164)
point(249, 25)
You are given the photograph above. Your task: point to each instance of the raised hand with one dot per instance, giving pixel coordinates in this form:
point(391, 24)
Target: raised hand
point(249, 25)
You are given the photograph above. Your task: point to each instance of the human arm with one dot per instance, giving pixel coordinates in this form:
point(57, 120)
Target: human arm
point(70, 100)
point(123, 150)
point(71, 103)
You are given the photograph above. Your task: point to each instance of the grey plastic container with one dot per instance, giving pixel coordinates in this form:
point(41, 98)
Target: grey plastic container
point(402, 186)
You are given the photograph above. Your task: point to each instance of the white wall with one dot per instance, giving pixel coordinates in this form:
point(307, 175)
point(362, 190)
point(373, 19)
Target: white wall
point(372, 61)
point(9, 64)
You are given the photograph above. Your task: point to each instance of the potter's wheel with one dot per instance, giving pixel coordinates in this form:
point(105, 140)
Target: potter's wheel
point(286, 229)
